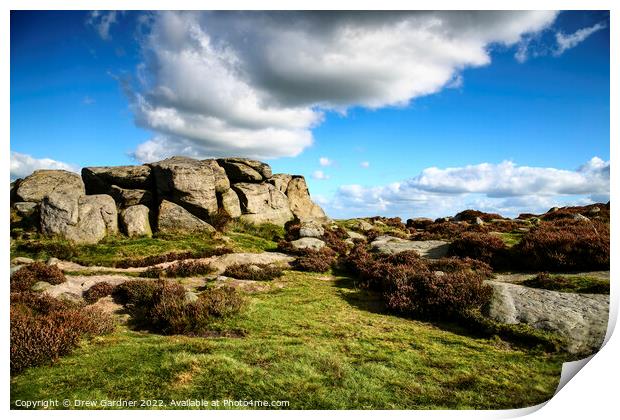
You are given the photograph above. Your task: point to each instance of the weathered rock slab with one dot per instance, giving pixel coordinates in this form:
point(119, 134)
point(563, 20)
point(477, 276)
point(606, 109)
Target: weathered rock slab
point(222, 183)
point(99, 179)
point(280, 181)
point(230, 203)
point(135, 221)
point(311, 230)
point(245, 170)
point(308, 243)
point(262, 203)
point(175, 219)
point(354, 235)
point(44, 182)
point(392, 245)
point(25, 209)
point(300, 202)
point(580, 318)
point(75, 286)
point(187, 182)
point(221, 262)
point(130, 197)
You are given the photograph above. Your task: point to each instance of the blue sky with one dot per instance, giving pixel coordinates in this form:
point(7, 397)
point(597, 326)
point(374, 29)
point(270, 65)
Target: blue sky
point(510, 121)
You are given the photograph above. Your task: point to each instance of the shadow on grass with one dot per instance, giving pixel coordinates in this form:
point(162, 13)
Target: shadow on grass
point(476, 327)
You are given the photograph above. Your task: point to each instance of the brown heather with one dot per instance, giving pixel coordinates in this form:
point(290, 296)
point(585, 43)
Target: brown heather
point(24, 278)
point(171, 256)
point(260, 272)
point(565, 245)
point(44, 328)
point(97, 291)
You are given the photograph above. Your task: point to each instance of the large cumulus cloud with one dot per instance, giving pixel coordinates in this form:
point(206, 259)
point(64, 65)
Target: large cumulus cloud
point(506, 188)
point(256, 83)
point(23, 165)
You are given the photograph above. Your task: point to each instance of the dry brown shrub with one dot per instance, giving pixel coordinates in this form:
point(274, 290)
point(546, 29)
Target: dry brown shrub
point(24, 278)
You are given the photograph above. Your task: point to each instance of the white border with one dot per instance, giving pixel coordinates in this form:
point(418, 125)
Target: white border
point(592, 394)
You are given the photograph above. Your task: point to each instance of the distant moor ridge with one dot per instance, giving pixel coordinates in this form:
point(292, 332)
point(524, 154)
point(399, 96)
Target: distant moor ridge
point(175, 195)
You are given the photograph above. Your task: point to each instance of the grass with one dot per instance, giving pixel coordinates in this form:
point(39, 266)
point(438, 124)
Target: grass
point(569, 283)
point(244, 242)
point(510, 238)
point(116, 248)
point(317, 342)
point(267, 231)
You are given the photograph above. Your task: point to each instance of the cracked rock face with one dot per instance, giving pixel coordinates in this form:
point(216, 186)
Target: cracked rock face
point(245, 170)
point(301, 204)
point(175, 219)
point(263, 203)
point(187, 182)
point(83, 220)
point(580, 318)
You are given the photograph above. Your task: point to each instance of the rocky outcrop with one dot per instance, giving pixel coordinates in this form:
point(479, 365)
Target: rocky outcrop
point(300, 203)
point(263, 203)
point(580, 318)
point(44, 182)
point(169, 191)
point(391, 245)
point(187, 182)
point(135, 221)
point(173, 218)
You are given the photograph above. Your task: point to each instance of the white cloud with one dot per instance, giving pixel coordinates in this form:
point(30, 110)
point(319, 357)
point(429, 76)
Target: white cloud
point(88, 100)
point(325, 161)
point(320, 175)
point(569, 41)
point(365, 164)
point(505, 188)
point(23, 165)
point(256, 83)
point(101, 22)
point(522, 52)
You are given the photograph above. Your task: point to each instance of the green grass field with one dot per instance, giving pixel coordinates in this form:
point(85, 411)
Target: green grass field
point(312, 340)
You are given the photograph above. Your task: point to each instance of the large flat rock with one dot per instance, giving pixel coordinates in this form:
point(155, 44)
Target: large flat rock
point(245, 170)
point(392, 245)
point(220, 263)
point(99, 179)
point(580, 318)
point(76, 285)
point(44, 182)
